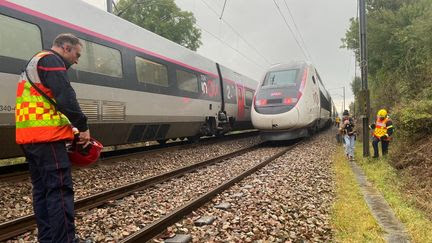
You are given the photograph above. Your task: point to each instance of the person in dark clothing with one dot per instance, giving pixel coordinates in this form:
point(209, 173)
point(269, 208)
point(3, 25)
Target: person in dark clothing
point(348, 132)
point(383, 130)
point(43, 127)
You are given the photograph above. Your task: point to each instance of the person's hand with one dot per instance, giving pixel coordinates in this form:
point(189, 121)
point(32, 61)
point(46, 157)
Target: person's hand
point(346, 122)
point(84, 138)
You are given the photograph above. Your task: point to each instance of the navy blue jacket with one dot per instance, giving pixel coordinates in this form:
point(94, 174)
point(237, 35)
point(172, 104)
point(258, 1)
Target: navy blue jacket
point(52, 71)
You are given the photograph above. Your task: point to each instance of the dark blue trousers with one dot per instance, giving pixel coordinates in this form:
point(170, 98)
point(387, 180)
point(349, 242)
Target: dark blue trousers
point(384, 146)
point(53, 195)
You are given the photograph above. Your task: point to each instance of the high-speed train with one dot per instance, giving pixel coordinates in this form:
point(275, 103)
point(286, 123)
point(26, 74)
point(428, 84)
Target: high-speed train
point(291, 102)
point(132, 84)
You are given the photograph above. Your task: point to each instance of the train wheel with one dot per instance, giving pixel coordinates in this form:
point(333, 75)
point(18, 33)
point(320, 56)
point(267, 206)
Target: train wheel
point(162, 141)
point(193, 139)
point(311, 131)
point(219, 134)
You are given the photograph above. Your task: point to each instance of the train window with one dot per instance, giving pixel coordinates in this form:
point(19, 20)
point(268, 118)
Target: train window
point(100, 59)
point(187, 81)
point(151, 72)
point(19, 39)
point(285, 77)
point(248, 98)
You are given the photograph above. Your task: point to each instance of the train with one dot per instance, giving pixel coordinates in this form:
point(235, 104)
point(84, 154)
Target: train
point(132, 84)
point(292, 102)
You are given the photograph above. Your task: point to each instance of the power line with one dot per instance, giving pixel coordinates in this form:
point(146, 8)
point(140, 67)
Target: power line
point(298, 31)
point(286, 23)
point(235, 31)
point(223, 9)
point(239, 52)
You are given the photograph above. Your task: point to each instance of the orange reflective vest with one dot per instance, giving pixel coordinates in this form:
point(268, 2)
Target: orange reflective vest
point(36, 119)
point(380, 128)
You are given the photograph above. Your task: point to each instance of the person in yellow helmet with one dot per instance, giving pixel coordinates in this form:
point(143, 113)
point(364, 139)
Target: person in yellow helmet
point(382, 131)
point(337, 121)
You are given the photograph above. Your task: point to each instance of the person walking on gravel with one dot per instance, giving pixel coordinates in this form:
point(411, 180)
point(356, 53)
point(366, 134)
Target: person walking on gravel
point(46, 110)
point(347, 130)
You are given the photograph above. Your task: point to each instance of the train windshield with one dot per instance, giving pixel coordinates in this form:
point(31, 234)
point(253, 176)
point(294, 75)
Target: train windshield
point(281, 78)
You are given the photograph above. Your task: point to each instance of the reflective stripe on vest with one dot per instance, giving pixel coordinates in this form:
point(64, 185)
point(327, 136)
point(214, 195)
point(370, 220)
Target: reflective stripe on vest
point(380, 128)
point(36, 119)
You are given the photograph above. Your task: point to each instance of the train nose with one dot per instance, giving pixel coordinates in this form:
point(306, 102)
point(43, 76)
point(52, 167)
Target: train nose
point(286, 120)
point(281, 121)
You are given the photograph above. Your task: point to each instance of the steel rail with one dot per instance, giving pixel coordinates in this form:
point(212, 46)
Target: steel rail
point(157, 227)
point(23, 224)
point(17, 172)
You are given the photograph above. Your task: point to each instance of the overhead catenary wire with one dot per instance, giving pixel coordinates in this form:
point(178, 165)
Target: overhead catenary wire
point(290, 29)
point(238, 34)
point(227, 44)
point(223, 9)
point(201, 27)
point(298, 31)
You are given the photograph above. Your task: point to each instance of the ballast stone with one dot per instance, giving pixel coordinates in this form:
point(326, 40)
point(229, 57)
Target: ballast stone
point(180, 238)
point(223, 206)
point(205, 220)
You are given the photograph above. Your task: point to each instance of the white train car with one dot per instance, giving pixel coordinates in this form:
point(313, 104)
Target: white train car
point(132, 84)
point(291, 102)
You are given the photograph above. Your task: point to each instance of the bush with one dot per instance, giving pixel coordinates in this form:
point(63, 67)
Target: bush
point(413, 120)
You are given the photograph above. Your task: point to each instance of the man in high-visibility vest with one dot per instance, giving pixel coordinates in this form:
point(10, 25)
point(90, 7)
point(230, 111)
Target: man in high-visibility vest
point(46, 110)
point(383, 130)
point(337, 121)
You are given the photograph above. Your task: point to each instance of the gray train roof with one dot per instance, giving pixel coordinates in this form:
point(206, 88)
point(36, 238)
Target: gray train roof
point(101, 22)
point(289, 65)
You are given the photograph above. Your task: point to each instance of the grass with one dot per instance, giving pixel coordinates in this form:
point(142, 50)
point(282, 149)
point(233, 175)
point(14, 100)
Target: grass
point(390, 184)
point(351, 218)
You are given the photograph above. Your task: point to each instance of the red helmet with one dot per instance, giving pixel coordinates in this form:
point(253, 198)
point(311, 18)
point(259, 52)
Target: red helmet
point(80, 156)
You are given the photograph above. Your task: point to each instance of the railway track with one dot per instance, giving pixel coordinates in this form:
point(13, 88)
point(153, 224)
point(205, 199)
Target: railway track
point(18, 172)
point(21, 225)
point(157, 227)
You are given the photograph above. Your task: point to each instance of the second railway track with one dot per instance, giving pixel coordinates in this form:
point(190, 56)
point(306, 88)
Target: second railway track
point(21, 225)
point(18, 172)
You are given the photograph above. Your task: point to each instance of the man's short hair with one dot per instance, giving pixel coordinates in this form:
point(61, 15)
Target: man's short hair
point(64, 38)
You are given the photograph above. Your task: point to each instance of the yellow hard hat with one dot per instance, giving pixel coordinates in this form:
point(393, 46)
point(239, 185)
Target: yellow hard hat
point(382, 113)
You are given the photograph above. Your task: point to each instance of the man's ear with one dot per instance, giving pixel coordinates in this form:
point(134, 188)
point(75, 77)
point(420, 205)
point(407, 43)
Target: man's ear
point(68, 48)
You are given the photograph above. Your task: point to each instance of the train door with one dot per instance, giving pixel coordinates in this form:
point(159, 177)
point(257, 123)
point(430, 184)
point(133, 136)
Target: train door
point(248, 102)
point(240, 98)
point(316, 95)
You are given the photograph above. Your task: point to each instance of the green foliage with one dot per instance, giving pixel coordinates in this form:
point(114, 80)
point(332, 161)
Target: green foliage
point(164, 18)
point(414, 119)
point(399, 42)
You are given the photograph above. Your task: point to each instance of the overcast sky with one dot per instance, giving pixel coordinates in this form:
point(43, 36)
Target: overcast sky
point(252, 35)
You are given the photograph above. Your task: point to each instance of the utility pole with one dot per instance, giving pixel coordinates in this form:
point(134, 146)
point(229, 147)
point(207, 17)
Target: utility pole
point(344, 96)
point(109, 5)
point(364, 73)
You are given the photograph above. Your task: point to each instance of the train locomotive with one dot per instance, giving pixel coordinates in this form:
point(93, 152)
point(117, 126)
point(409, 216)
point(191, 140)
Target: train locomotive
point(132, 84)
point(291, 102)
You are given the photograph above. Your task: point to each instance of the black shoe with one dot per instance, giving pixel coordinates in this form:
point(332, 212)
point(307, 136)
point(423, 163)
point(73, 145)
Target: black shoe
point(375, 156)
point(79, 240)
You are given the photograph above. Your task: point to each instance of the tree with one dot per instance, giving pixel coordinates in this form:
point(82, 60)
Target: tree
point(399, 49)
point(162, 17)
